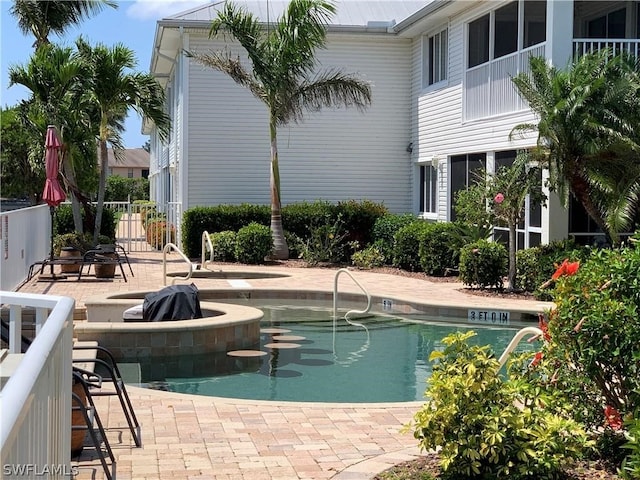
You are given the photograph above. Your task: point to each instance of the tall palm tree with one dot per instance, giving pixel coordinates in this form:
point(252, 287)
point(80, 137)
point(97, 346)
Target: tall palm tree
point(43, 17)
point(55, 78)
point(587, 119)
point(112, 87)
point(283, 76)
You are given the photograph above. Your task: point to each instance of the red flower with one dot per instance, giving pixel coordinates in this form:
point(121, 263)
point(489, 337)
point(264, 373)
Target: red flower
point(566, 268)
point(499, 198)
point(612, 418)
point(536, 359)
point(544, 326)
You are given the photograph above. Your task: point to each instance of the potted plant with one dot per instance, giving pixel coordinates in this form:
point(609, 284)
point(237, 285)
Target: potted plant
point(73, 246)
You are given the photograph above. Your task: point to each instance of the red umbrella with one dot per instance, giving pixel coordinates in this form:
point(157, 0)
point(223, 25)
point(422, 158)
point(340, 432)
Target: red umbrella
point(53, 193)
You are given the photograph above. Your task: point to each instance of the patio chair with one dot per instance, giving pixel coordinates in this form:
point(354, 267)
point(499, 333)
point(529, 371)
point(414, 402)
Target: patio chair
point(91, 421)
point(107, 373)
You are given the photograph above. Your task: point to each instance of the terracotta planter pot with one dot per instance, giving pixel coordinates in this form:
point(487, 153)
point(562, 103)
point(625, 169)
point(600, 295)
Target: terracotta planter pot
point(77, 436)
point(107, 270)
point(70, 252)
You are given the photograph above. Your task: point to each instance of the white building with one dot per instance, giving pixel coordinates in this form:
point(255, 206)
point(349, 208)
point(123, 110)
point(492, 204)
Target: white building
point(443, 103)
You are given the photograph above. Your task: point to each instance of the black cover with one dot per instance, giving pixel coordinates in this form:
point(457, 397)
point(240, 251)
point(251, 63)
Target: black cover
point(176, 302)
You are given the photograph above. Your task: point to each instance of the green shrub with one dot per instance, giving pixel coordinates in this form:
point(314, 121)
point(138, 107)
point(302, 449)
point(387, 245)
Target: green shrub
point(224, 245)
point(63, 222)
point(295, 244)
point(486, 427)
point(439, 249)
point(156, 233)
point(595, 325)
point(631, 464)
point(370, 257)
point(326, 244)
point(483, 264)
point(253, 243)
point(301, 219)
point(534, 266)
point(406, 246)
point(359, 218)
point(385, 229)
point(218, 219)
point(122, 189)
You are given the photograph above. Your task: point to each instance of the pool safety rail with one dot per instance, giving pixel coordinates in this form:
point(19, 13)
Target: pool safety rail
point(335, 297)
point(517, 338)
point(206, 245)
point(167, 248)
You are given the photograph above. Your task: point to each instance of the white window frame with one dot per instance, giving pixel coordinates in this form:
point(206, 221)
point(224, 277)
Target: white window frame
point(426, 192)
point(440, 34)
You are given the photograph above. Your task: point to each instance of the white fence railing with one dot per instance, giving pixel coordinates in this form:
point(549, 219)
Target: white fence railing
point(488, 87)
point(582, 46)
point(35, 425)
point(25, 237)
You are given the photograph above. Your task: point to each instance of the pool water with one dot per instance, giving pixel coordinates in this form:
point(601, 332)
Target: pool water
point(384, 360)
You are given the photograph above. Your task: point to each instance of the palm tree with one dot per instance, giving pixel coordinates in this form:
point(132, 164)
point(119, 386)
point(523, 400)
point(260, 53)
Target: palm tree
point(587, 135)
point(283, 75)
point(111, 89)
point(55, 78)
point(43, 17)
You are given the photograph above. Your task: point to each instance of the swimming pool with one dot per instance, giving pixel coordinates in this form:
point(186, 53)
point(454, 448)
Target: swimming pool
point(302, 358)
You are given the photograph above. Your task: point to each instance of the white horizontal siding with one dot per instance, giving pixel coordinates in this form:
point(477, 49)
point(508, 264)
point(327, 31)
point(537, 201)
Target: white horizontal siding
point(335, 154)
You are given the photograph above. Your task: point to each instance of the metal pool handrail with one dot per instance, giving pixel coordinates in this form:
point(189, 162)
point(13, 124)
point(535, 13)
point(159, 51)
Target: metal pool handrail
point(206, 242)
point(173, 246)
point(517, 338)
point(335, 297)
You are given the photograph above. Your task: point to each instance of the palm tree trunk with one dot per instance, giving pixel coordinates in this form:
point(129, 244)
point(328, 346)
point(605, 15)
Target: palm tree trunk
point(280, 247)
point(101, 189)
point(72, 188)
point(511, 279)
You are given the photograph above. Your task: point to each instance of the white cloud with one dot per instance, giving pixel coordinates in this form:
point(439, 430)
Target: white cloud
point(157, 9)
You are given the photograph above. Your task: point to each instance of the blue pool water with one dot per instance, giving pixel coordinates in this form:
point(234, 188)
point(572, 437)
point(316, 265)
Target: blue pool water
point(386, 362)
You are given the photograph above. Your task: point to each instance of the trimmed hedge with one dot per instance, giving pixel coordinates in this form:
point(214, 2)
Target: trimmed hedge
point(253, 243)
point(224, 245)
point(406, 246)
point(439, 248)
point(484, 264)
point(217, 219)
point(385, 229)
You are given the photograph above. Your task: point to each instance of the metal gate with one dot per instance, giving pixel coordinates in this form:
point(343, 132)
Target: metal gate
point(146, 227)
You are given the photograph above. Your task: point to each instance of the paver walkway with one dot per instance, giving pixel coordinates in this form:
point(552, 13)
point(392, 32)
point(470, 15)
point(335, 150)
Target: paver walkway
point(192, 437)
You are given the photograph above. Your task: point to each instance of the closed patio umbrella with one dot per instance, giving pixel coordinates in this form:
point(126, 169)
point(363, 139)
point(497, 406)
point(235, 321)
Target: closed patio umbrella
point(53, 193)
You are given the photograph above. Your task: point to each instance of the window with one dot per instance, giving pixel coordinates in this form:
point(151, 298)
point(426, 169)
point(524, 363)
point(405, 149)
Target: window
point(145, 173)
point(535, 22)
point(508, 32)
point(479, 41)
point(435, 51)
point(505, 33)
point(462, 168)
point(130, 172)
point(428, 188)
point(611, 25)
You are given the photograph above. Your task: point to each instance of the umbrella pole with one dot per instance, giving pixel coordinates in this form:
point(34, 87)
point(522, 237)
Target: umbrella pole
point(51, 210)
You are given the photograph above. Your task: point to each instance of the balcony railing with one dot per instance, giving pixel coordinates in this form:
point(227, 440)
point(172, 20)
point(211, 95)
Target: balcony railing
point(35, 401)
point(582, 46)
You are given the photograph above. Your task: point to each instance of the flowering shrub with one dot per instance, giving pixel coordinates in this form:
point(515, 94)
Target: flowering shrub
point(487, 427)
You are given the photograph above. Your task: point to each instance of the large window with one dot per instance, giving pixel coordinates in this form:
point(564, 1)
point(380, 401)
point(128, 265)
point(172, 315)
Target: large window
point(435, 54)
point(462, 171)
point(428, 189)
point(479, 41)
point(611, 25)
point(509, 32)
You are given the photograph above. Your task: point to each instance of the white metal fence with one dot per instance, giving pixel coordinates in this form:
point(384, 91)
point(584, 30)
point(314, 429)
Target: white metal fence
point(582, 46)
point(35, 426)
point(25, 235)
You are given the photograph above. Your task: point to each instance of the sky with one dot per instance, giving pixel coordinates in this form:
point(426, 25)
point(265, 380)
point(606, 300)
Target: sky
point(133, 24)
